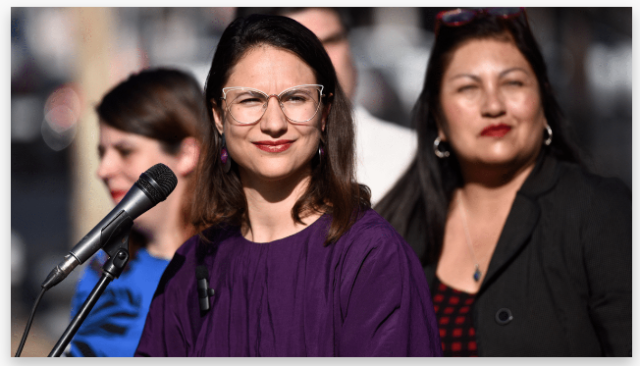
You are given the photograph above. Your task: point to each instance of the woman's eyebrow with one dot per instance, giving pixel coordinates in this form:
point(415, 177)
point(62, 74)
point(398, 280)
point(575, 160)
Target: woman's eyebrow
point(477, 78)
point(465, 75)
point(334, 37)
point(251, 92)
point(507, 71)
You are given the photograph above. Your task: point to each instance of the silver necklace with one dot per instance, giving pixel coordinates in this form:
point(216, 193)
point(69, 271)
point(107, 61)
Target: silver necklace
point(476, 274)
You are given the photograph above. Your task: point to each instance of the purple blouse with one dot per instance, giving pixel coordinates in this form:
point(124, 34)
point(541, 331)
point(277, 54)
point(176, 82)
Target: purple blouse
point(365, 295)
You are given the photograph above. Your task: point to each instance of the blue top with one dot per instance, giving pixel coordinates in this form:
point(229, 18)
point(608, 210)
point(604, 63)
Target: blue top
point(114, 326)
point(364, 295)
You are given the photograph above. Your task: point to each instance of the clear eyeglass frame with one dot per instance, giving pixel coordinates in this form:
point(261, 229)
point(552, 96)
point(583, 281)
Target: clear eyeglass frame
point(226, 90)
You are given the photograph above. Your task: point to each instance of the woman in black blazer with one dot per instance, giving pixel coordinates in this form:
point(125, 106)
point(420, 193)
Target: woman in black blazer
point(526, 253)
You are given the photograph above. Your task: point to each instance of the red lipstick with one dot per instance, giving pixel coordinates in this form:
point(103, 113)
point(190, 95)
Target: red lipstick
point(498, 130)
point(117, 195)
point(273, 146)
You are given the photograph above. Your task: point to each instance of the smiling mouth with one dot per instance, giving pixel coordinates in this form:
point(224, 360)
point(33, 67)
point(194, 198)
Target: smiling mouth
point(273, 146)
point(495, 130)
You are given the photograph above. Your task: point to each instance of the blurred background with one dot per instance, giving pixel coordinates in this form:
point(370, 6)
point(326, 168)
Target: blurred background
point(63, 60)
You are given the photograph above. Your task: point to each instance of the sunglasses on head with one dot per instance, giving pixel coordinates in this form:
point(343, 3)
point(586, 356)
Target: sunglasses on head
point(459, 17)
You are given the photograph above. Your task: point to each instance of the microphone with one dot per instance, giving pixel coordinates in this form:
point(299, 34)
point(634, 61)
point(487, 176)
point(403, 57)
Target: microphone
point(152, 188)
point(202, 275)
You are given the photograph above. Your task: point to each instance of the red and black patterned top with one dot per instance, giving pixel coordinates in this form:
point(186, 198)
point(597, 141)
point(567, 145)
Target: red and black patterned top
point(453, 310)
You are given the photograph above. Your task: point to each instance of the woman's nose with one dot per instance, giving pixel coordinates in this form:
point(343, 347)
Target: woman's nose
point(493, 103)
point(107, 167)
point(274, 122)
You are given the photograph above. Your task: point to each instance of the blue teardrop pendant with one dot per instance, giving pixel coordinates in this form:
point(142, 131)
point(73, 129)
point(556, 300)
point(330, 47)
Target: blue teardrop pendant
point(477, 274)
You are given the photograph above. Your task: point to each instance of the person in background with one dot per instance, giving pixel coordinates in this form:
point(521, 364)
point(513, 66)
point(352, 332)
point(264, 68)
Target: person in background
point(384, 149)
point(525, 251)
point(155, 116)
point(297, 261)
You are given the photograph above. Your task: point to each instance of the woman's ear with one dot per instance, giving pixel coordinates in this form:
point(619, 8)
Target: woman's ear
point(325, 115)
point(217, 118)
point(188, 156)
point(441, 132)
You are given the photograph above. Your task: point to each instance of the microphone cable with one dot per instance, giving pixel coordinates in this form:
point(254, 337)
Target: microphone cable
point(28, 326)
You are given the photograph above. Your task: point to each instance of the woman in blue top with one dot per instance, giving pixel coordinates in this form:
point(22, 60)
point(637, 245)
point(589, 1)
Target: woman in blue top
point(155, 116)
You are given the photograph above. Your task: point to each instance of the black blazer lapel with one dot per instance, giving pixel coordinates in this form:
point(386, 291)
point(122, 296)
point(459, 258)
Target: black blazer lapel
point(523, 217)
point(517, 230)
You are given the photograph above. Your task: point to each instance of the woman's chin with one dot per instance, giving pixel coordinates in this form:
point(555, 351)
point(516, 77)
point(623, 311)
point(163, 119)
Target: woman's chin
point(502, 162)
point(276, 172)
point(498, 160)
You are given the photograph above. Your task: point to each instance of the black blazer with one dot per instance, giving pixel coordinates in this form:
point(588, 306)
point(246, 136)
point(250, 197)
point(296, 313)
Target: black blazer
point(559, 281)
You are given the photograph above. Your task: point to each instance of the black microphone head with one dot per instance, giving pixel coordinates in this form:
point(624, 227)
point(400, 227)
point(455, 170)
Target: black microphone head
point(202, 273)
point(158, 182)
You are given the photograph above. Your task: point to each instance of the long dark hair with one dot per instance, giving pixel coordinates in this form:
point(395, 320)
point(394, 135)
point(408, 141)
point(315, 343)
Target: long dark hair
point(163, 104)
point(417, 206)
point(332, 187)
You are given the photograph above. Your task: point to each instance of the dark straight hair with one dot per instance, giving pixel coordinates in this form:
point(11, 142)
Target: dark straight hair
point(332, 187)
point(418, 204)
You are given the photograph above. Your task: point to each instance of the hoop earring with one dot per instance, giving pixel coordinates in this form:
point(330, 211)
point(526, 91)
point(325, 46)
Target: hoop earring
point(437, 151)
point(224, 156)
point(550, 133)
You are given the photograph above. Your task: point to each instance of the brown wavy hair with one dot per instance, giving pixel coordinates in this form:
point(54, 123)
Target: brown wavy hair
point(332, 188)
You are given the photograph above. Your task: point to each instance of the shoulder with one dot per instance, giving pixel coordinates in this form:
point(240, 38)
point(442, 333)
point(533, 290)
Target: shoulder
point(91, 273)
point(370, 234)
point(373, 252)
point(370, 221)
point(144, 259)
point(181, 268)
point(576, 183)
point(143, 270)
point(587, 205)
point(88, 279)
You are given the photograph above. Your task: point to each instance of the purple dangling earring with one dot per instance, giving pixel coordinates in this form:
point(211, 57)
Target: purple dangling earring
point(320, 153)
point(224, 156)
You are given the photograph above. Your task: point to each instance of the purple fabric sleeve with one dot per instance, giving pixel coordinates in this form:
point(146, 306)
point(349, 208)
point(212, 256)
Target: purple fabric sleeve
point(383, 297)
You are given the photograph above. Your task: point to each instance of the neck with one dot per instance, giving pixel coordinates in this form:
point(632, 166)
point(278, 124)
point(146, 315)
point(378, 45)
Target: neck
point(486, 189)
point(269, 205)
point(168, 230)
point(497, 175)
point(163, 242)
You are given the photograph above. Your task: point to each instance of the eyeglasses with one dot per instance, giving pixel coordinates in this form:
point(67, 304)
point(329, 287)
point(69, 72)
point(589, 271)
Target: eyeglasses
point(459, 17)
point(299, 103)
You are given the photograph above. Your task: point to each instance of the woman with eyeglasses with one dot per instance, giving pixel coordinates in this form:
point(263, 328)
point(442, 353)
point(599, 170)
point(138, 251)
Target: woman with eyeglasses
point(526, 253)
point(294, 262)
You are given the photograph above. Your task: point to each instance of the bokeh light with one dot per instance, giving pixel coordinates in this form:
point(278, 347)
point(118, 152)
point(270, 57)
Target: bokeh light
point(62, 111)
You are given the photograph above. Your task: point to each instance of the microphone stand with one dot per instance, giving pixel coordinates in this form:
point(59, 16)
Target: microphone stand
point(117, 248)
